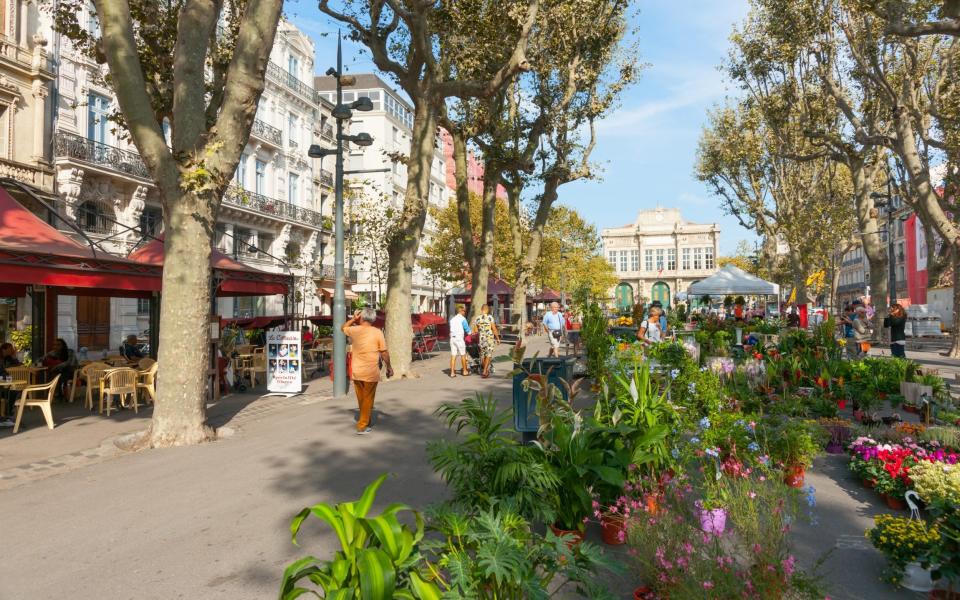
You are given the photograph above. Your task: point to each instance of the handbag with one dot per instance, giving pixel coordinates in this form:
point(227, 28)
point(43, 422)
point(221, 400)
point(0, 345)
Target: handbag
point(557, 334)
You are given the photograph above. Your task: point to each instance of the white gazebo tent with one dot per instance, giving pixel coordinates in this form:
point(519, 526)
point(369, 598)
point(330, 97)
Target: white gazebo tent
point(732, 280)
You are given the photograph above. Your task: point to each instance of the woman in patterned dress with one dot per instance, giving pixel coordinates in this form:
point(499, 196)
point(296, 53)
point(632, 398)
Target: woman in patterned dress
point(489, 337)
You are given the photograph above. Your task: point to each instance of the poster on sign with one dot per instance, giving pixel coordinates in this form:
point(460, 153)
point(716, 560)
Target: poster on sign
point(283, 362)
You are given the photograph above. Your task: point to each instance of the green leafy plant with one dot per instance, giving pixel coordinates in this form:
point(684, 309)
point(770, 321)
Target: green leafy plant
point(597, 343)
point(486, 466)
point(377, 559)
point(494, 554)
point(23, 340)
point(793, 442)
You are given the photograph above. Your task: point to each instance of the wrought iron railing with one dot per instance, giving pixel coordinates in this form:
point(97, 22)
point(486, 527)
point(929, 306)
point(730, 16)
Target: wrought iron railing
point(288, 79)
point(326, 178)
point(293, 144)
point(104, 155)
point(330, 272)
point(270, 206)
point(267, 133)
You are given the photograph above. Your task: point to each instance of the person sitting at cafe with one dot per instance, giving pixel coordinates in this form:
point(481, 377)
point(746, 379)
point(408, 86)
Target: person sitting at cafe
point(130, 348)
point(60, 361)
point(306, 337)
point(8, 358)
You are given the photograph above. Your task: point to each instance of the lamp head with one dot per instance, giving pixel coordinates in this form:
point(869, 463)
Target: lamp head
point(316, 151)
point(877, 195)
point(361, 139)
point(362, 104)
point(331, 72)
point(342, 112)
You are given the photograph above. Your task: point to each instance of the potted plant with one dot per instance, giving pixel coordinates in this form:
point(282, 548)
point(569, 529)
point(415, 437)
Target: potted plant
point(839, 432)
point(793, 444)
point(906, 543)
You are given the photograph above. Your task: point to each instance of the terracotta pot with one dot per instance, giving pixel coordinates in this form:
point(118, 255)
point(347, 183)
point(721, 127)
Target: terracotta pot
point(575, 536)
point(842, 403)
point(858, 415)
point(937, 595)
point(644, 592)
point(894, 502)
point(869, 483)
point(793, 476)
point(613, 530)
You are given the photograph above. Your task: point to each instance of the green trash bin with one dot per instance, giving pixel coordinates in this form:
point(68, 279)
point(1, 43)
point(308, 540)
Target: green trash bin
point(525, 418)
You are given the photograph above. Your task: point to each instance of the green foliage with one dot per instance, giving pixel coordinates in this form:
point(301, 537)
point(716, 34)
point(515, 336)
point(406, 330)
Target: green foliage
point(597, 343)
point(493, 554)
point(485, 466)
point(793, 442)
point(377, 559)
point(23, 340)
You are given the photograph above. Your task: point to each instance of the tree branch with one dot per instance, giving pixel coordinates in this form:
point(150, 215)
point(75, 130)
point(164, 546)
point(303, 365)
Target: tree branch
point(944, 27)
point(196, 23)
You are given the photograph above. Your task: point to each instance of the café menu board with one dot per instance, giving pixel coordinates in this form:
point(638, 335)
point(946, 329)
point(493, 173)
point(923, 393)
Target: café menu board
point(284, 362)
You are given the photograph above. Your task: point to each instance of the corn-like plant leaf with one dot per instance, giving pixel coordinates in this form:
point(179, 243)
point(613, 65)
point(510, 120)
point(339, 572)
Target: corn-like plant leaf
point(296, 523)
point(377, 575)
point(295, 572)
point(423, 590)
point(366, 500)
point(332, 517)
point(388, 532)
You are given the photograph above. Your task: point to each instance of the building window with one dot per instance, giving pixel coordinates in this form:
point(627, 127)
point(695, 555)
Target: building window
point(612, 257)
point(264, 245)
point(634, 260)
point(151, 222)
point(660, 259)
point(293, 183)
point(623, 260)
point(698, 258)
point(98, 111)
point(93, 24)
point(648, 260)
point(293, 66)
point(292, 129)
point(260, 186)
point(143, 306)
point(708, 258)
point(685, 257)
point(671, 259)
point(240, 175)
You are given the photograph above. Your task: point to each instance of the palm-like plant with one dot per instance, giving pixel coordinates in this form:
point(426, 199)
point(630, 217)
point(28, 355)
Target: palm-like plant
point(486, 465)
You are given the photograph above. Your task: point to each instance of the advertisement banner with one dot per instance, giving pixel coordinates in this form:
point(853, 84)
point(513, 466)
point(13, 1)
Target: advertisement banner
point(284, 362)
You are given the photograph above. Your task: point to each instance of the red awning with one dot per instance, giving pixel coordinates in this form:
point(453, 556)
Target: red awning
point(495, 287)
point(426, 319)
point(255, 322)
point(34, 253)
point(546, 295)
point(235, 278)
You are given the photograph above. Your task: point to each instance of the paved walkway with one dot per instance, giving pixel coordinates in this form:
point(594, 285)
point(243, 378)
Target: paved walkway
point(212, 520)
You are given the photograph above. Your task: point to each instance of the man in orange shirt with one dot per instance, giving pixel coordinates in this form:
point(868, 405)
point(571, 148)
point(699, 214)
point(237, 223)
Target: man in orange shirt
point(367, 347)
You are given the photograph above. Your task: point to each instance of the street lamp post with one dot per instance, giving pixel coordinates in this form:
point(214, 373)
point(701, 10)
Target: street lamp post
point(891, 258)
point(341, 113)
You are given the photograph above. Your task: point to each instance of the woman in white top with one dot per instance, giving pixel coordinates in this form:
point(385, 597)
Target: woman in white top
point(649, 332)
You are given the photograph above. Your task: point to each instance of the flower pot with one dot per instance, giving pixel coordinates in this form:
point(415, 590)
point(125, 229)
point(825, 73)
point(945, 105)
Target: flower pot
point(793, 476)
point(842, 403)
point(834, 447)
point(943, 595)
point(713, 521)
point(644, 592)
point(869, 483)
point(575, 536)
point(916, 578)
point(613, 530)
point(858, 415)
point(894, 502)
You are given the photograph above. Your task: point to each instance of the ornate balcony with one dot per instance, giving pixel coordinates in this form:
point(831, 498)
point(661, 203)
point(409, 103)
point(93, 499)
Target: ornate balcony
point(275, 208)
point(103, 155)
point(329, 272)
point(327, 132)
point(285, 78)
point(267, 133)
point(326, 178)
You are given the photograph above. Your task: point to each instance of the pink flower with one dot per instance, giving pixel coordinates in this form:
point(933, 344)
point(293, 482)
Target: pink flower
point(708, 585)
point(789, 565)
point(752, 495)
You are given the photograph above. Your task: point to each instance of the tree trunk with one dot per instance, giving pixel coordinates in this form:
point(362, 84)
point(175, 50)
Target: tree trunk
point(529, 262)
point(179, 416)
point(516, 233)
point(870, 239)
point(404, 243)
point(955, 330)
point(483, 254)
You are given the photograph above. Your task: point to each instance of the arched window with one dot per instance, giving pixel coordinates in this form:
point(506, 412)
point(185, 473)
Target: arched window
point(94, 218)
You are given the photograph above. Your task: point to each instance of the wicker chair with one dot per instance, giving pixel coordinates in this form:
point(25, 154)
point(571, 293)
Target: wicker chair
point(147, 381)
point(145, 363)
point(93, 373)
point(257, 365)
point(39, 396)
point(121, 382)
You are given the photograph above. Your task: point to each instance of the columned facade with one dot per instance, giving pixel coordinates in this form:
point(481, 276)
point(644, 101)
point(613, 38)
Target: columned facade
point(659, 255)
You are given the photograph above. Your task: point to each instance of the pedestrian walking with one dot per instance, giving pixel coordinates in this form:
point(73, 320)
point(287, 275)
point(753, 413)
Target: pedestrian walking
point(459, 328)
point(861, 331)
point(489, 338)
point(554, 325)
point(367, 349)
point(650, 331)
point(897, 322)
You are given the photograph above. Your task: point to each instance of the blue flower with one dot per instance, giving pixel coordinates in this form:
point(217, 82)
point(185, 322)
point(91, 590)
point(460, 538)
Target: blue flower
point(692, 388)
point(811, 497)
point(740, 422)
point(675, 453)
point(694, 440)
point(674, 373)
point(712, 452)
point(764, 459)
point(705, 423)
point(753, 447)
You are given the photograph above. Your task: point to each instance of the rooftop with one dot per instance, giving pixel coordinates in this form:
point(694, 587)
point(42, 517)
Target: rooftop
point(365, 81)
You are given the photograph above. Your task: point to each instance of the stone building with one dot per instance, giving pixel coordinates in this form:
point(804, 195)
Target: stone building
point(659, 255)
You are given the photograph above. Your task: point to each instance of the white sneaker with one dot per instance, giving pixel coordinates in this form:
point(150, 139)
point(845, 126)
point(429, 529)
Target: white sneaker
point(364, 431)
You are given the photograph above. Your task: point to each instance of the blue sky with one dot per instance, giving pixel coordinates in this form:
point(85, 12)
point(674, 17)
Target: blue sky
point(646, 148)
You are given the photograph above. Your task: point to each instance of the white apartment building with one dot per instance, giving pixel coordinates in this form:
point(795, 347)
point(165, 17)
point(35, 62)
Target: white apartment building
point(659, 255)
point(390, 123)
point(275, 217)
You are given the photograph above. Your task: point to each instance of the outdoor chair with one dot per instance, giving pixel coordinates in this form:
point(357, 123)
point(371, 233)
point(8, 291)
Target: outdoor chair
point(147, 381)
point(145, 363)
point(37, 395)
point(93, 373)
point(245, 349)
point(257, 365)
point(21, 379)
point(120, 382)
